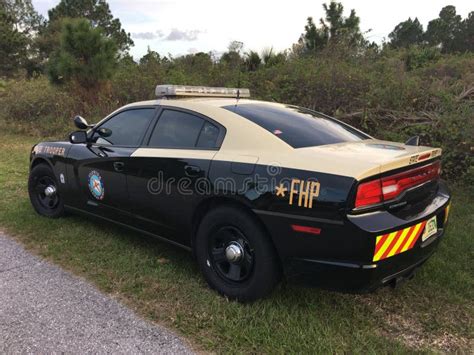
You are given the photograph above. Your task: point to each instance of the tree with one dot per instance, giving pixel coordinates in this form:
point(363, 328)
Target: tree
point(26, 19)
point(85, 55)
point(335, 28)
point(99, 15)
point(12, 44)
point(446, 30)
point(252, 61)
point(199, 62)
point(235, 46)
point(270, 58)
point(406, 33)
point(467, 33)
point(151, 57)
point(126, 60)
point(314, 38)
point(26, 23)
point(232, 56)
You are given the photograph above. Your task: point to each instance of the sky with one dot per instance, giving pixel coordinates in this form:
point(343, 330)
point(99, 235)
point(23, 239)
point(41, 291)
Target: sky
point(187, 26)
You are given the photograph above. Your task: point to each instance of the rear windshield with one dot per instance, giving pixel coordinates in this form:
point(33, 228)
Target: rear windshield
point(297, 126)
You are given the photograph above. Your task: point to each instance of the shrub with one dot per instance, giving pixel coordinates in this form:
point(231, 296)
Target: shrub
point(32, 100)
point(375, 92)
point(37, 107)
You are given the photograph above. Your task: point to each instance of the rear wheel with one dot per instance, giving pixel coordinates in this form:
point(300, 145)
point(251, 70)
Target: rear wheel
point(235, 254)
point(43, 191)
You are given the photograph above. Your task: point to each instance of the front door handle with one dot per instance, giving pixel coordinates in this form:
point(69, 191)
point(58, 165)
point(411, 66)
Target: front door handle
point(118, 166)
point(192, 170)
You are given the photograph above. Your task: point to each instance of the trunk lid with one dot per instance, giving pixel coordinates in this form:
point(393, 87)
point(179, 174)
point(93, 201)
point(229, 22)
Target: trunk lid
point(363, 159)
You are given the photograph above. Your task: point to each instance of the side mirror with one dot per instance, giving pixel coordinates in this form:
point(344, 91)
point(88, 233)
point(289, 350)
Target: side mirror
point(78, 137)
point(104, 132)
point(415, 140)
point(81, 123)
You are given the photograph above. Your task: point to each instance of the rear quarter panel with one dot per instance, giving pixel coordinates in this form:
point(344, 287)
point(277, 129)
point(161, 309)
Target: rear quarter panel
point(280, 197)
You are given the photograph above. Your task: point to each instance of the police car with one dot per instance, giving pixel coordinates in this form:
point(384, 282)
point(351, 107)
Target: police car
point(256, 190)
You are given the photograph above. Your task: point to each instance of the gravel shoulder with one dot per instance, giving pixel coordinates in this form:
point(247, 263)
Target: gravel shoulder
point(44, 309)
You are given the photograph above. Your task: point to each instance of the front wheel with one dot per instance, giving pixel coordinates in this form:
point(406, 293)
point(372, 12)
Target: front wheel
point(43, 191)
point(235, 255)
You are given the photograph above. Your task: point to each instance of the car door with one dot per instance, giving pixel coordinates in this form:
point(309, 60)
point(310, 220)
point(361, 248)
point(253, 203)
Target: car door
point(168, 177)
point(99, 168)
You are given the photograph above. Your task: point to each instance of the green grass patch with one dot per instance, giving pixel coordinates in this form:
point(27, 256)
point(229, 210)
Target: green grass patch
point(433, 312)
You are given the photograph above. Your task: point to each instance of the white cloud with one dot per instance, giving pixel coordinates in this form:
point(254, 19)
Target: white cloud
point(148, 35)
point(178, 35)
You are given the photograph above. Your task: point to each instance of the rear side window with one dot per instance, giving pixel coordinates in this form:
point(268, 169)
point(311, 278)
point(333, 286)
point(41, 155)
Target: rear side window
point(177, 129)
point(297, 126)
point(127, 127)
point(208, 136)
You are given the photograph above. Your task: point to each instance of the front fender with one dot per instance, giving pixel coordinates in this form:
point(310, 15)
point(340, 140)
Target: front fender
point(54, 154)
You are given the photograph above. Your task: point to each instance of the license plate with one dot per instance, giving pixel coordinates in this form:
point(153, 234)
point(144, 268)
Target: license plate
point(431, 228)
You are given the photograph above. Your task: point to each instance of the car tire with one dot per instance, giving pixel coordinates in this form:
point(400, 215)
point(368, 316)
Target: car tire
point(235, 254)
point(44, 192)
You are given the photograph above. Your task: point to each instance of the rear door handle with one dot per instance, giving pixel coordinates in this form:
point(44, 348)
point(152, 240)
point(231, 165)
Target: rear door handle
point(192, 170)
point(118, 166)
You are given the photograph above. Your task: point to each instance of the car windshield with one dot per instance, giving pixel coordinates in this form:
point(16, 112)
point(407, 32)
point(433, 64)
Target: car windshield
point(299, 127)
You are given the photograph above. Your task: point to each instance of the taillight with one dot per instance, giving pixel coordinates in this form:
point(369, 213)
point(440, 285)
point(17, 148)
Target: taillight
point(390, 187)
point(369, 193)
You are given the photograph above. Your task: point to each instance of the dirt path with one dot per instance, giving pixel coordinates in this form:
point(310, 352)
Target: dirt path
point(44, 309)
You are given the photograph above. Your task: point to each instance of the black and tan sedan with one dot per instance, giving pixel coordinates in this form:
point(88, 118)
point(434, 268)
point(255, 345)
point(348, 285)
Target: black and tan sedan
point(256, 190)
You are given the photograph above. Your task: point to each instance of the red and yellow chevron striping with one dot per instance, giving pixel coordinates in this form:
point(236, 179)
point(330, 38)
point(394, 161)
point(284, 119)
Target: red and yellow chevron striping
point(397, 242)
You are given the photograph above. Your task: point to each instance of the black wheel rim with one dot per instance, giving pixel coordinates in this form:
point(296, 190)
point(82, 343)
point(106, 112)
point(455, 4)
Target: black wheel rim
point(49, 202)
point(231, 270)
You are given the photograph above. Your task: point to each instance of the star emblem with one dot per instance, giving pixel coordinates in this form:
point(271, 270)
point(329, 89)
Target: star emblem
point(280, 190)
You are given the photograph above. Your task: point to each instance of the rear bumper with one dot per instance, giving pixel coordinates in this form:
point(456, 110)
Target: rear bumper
point(350, 277)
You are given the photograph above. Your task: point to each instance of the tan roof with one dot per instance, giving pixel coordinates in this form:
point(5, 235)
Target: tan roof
point(248, 142)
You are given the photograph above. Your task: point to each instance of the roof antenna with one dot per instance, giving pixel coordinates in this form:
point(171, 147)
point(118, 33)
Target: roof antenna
point(238, 47)
point(238, 87)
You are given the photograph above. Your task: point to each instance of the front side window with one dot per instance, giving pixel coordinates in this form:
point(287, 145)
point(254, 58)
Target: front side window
point(126, 128)
point(297, 126)
point(177, 129)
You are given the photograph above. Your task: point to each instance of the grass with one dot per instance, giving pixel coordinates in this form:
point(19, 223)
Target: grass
point(433, 312)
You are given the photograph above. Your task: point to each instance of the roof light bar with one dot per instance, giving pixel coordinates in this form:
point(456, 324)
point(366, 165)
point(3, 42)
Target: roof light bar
point(201, 91)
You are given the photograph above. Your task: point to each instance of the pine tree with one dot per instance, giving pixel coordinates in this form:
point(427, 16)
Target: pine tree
point(98, 13)
point(85, 55)
point(406, 33)
point(335, 28)
point(12, 45)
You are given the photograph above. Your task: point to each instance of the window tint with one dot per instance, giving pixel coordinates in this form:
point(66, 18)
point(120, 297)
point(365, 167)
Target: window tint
point(176, 129)
point(208, 136)
point(128, 127)
point(297, 126)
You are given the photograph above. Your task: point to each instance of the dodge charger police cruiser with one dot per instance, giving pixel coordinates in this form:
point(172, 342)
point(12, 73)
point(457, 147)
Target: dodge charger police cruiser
point(256, 190)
